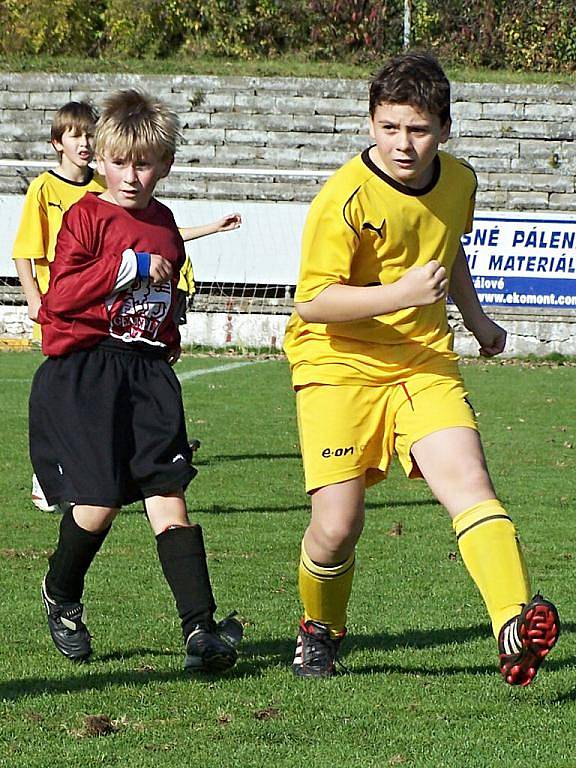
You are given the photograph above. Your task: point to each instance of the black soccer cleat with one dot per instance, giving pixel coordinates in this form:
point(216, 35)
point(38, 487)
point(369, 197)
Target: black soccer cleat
point(316, 650)
point(208, 649)
point(194, 445)
point(525, 641)
point(67, 629)
point(230, 629)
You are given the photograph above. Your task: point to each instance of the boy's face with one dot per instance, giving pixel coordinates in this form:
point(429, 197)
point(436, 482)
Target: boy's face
point(130, 184)
point(76, 147)
point(407, 142)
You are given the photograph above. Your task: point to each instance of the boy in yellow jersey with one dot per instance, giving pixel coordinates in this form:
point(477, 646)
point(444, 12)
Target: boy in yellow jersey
point(375, 372)
point(50, 195)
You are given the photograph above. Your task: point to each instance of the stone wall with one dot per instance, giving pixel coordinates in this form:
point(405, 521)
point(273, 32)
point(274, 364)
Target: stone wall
point(250, 138)
point(272, 139)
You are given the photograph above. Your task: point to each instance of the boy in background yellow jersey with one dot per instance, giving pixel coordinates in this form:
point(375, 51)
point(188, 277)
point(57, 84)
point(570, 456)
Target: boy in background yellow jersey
point(50, 195)
point(375, 373)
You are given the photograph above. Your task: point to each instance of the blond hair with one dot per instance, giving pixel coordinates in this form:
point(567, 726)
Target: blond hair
point(134, 126)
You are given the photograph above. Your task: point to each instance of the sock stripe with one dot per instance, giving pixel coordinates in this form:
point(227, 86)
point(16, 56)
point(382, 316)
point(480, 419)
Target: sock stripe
point(480, 522)
point(325, 572)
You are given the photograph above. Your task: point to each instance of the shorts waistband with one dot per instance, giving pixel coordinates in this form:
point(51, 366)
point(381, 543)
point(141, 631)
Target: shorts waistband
point(132, 348)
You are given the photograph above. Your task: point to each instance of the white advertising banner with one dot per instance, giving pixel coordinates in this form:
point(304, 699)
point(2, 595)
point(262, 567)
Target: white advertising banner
point(523, 260)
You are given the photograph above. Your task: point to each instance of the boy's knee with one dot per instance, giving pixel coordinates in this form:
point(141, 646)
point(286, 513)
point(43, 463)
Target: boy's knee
point(333, 539)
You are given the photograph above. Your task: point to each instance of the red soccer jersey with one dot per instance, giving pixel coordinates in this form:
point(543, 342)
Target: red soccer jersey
point(82, 305)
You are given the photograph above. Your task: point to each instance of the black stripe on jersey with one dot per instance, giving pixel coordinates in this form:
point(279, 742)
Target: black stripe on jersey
point(346, 204)
point(480, 522)
point(396, 184)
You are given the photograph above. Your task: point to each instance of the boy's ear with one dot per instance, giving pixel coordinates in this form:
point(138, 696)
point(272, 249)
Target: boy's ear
point(371, 126)
point(100, 165)
point(445, 131)
point(167, 167)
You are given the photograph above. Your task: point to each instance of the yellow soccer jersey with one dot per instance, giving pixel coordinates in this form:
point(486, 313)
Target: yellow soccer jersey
point(365, 228)
point(48, 197)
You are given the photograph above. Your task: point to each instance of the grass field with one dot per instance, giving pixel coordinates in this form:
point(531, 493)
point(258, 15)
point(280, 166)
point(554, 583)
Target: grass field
point(289, 65)
point(423, 688)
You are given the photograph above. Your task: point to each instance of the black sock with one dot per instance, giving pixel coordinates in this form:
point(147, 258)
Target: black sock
point(183, 560)
point(73, 556)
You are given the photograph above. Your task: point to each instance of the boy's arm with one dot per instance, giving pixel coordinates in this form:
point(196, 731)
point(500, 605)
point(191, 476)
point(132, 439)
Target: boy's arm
point(340, 303)
point(490, 336)
point(225, 224)
point(29, 286)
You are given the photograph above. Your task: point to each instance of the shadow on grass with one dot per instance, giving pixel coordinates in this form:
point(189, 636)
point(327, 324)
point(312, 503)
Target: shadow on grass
point(217, 509)
point(217, 458)
point(258, 657)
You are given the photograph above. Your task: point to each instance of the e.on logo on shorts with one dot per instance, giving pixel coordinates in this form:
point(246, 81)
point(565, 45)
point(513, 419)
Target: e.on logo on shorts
point(337, 452)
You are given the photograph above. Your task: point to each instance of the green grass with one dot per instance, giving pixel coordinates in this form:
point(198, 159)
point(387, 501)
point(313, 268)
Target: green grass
point(277, 66)
point(423, 689)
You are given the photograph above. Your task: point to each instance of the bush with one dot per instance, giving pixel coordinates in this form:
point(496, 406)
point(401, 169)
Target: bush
point(360, 30)
point(540, 36)
point(147, 29)
point(247, 28)
point(62, 27)
point(460, 33)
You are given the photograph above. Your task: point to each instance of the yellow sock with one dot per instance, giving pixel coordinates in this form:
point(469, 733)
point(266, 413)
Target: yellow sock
point(491, 552)
point(325, 591)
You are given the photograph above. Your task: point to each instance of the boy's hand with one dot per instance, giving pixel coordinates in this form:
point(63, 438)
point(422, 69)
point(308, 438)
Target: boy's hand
point(34, 304)
point(174, 355)
point(424, 285)
point(490, 336)
point(160, 269)
point(226, 223)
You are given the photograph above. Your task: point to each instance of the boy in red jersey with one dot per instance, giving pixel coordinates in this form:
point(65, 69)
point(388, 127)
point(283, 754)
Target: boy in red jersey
point(106, 419)
point(375, 372)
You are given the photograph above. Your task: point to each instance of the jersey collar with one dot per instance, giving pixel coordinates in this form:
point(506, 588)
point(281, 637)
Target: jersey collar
point(396, 184)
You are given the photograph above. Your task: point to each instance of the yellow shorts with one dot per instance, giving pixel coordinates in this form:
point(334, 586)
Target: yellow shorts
point(347, 431)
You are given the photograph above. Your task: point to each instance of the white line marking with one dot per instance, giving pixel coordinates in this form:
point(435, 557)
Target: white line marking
point(215, 369)
point(181, 376)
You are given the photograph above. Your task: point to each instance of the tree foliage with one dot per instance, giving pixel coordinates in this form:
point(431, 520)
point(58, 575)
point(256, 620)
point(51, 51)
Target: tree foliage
point(537, 35)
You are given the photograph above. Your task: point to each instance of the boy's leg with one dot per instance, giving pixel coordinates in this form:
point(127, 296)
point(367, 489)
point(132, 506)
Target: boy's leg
point(346, 439)
point(325, 574)
point(183, 559)
point(452, 462)
point(82, 533)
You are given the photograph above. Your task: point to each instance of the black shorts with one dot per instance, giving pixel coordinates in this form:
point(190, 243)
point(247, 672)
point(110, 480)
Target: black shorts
point(107, 427)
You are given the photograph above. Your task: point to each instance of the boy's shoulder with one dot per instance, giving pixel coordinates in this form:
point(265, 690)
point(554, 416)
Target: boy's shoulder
point(456, 165)
point(39, 182)
point(457, 176)
point(349, 178)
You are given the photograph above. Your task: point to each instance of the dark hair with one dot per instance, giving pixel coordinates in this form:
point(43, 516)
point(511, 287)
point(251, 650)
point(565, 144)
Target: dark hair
point(413, 78)
point(76, 115)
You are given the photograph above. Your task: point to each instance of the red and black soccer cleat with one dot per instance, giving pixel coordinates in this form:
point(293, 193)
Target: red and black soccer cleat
point(525, 641)
point(316, 650)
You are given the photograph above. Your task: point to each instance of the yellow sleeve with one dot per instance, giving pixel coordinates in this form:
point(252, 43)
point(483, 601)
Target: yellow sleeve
point(329, 243)
point(33, 233)
point(186, 282)
point(472, 203)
